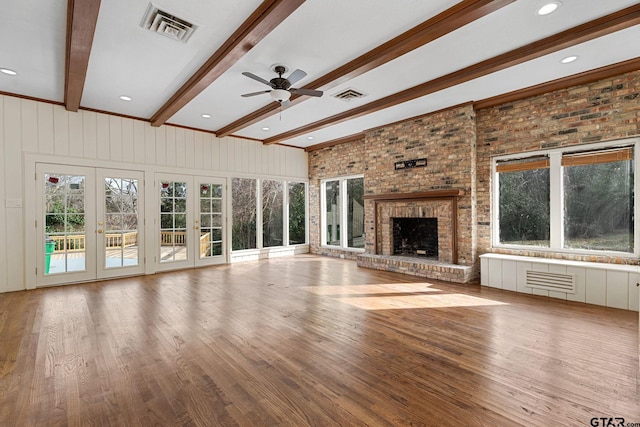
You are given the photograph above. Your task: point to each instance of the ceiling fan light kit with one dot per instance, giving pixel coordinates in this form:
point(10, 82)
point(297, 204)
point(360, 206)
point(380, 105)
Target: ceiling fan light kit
point(280, 95)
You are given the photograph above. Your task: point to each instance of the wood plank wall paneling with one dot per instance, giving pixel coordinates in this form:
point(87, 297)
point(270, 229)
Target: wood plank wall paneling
point(29, 116)
point(45, 128)
point(3, 211)
point(13, 236)
point(38, 128)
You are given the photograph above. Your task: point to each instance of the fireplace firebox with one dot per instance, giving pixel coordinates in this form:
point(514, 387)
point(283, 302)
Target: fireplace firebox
point(415, 237)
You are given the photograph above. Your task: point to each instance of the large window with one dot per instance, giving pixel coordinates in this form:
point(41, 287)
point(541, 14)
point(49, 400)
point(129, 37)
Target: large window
point(598, 200)
point(568, 200)
point(524, 201)
point(297, 213)
point(262, 207)
point(245, 208)
point(343, 227)
point(272, 215)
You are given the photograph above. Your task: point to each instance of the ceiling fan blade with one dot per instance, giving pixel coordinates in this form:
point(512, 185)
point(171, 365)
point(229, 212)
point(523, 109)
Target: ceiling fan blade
point(308, 92)
point(246, 95)
point(254, 77)
point(295, 76)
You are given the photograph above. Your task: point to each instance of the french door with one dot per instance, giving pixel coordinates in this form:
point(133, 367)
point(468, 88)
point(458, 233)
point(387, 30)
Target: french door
point(89, 223)
point(191, 221)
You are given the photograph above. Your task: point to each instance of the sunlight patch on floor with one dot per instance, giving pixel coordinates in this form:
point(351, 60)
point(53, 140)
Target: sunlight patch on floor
point(418, 301)
point(391, 288)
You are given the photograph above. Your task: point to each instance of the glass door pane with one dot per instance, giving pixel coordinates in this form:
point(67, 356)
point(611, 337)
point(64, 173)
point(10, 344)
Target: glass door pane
point(120, 228)
point(173, 221)
point(65, 223)
point(211, 223)
point(121, 222)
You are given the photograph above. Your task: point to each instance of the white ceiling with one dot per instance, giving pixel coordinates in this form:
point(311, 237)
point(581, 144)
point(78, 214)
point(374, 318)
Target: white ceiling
point(318, 37)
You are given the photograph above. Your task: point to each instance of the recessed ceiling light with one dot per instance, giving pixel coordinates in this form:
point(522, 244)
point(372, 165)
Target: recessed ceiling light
point(548, 8)
point(569, 59)
point(309, 137)
point(8, 71)
point(265, 128)
point(206, 116)
point(125, 98)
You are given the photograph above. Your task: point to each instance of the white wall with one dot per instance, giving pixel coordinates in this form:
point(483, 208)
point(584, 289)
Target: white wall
point(36, 131)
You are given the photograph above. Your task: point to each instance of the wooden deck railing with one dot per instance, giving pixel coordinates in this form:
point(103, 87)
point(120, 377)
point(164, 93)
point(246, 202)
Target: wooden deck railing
point(76, 242)
point(173, 238)
point(204, 245)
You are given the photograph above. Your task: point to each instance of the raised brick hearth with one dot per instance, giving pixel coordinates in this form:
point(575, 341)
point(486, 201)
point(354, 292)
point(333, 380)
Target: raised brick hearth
point(421, 267)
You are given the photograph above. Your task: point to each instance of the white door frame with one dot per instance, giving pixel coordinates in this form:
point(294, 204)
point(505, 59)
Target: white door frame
point(192, 224)
point(89, 272)
point(102, 271)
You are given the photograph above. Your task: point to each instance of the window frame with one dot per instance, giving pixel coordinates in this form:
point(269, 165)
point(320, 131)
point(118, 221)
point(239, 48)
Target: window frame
point(344, 202)
point(556, 202)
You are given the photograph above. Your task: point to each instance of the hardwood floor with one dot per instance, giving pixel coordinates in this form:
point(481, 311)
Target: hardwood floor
point(310, 341)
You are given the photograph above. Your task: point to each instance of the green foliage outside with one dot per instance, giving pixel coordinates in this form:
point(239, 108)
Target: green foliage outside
point(598, 207)
point(244, 210)
point(297, 213)
point(524, 207)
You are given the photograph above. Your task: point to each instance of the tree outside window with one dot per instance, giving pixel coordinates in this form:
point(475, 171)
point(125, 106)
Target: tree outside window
point(568, 200)
point(244, 213)
point(272, 213)
point(297, 213)
point(524, 202)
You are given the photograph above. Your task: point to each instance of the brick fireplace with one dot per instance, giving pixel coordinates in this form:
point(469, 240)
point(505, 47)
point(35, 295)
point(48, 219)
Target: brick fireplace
point(440, 207)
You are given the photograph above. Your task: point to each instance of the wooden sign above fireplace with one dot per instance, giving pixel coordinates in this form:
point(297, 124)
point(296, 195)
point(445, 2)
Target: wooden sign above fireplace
point(410, 164)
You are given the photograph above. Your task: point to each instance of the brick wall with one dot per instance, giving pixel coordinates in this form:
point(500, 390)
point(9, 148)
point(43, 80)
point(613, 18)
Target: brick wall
point(340, 160)
point(447, 140)
point(459, 143)
point(604, 110)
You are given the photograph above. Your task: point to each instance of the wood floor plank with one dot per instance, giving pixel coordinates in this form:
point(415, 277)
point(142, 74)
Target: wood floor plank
point(310, 340)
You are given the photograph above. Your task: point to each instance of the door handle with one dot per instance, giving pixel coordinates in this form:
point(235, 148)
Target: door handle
point(100, 231)
point(196, 228)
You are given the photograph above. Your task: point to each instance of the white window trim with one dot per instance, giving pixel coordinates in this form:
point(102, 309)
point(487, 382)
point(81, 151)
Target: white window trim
point(343, 214)
point(556, 232)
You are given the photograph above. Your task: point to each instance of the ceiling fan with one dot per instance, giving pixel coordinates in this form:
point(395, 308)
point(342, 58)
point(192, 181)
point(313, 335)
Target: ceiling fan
point(281, 89)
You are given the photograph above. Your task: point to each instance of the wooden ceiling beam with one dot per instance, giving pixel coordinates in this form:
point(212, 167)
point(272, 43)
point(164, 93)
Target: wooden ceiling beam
point(582, 33)
point(82, 17)
point(261, 22)
point(446, 22)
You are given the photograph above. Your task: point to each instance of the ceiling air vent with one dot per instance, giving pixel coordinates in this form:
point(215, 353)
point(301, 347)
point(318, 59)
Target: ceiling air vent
point(166, 24)
point(348, 95)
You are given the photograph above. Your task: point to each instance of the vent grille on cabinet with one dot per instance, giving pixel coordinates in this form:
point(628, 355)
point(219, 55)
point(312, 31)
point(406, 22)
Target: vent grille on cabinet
point(551, 281)
point(166, 24)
